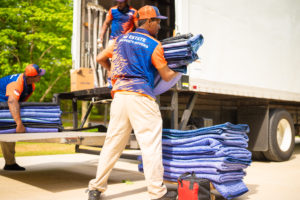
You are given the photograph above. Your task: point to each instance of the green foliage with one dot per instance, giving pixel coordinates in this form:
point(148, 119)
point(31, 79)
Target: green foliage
point(38, 32)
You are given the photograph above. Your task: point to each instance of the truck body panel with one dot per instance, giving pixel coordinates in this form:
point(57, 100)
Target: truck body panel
point(250, 47)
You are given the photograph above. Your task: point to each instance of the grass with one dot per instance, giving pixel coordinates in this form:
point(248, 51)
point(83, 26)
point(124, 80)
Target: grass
point(35, 149)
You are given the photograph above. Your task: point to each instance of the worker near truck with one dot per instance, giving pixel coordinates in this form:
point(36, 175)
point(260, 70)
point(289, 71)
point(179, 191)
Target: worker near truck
point(122, 19)
point(136, 57)
point(14, 89)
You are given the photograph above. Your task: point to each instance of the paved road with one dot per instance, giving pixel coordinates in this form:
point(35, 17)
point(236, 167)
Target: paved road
point(65, 177)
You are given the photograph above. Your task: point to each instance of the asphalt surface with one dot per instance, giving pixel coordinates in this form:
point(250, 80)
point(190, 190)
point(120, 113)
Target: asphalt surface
point(65, 177)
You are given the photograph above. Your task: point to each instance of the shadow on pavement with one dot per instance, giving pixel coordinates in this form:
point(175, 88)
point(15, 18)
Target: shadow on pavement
point(297, 148)
point(57, 177)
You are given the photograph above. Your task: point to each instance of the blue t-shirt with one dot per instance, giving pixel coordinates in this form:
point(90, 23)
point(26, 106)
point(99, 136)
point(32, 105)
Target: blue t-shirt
point(16, 86)
point(121, 22)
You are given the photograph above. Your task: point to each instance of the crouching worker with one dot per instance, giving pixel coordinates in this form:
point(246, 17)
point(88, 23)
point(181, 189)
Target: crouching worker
point(14, 89)
point(136, 57)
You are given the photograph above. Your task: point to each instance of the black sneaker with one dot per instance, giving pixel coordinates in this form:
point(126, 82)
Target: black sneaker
point(14, 167)
point(170, 195)
point(94, 195)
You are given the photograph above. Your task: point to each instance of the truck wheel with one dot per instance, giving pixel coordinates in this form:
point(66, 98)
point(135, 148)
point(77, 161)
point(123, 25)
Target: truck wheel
point(258, 155)
point(281, 136)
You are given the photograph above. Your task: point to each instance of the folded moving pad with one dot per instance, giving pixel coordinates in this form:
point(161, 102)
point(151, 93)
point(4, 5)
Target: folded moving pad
point(44, 114)
point(30, 130)
point(161, 86)
point(3, 105)
point(239, 129)
point(29, 124)
point(217, 178)
point(238, 154)
point(46, 120)
point(224, 164)
point(231, 189)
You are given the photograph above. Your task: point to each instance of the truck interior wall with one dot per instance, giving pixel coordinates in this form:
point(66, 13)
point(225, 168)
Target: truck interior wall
point(166, 7)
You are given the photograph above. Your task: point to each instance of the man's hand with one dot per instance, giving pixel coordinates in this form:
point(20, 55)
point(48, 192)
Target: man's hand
point(100, 43)
point(20, 128)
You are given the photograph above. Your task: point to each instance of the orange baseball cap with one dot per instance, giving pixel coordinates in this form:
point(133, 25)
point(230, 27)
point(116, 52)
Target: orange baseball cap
point(34, 70)
point(148, 12)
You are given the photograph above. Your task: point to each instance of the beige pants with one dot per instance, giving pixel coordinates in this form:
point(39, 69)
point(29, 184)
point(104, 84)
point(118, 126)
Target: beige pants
point(142, 114)
point(8, 151)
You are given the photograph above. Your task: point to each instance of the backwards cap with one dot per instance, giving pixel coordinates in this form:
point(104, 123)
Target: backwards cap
point(34, 70)
point(148, 12)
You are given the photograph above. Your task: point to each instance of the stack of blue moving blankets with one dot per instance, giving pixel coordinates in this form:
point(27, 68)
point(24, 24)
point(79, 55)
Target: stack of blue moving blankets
point(36, 117)
point(217, 153)
point(179, 51)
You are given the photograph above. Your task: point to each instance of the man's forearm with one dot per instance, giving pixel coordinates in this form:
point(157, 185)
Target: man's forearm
point(106, 64)
point(14, 109)
point(103, 30)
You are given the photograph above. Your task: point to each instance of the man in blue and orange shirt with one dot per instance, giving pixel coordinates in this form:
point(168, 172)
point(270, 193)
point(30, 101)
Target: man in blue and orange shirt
point(14, 89)
point(136, 58)
point(122, 18)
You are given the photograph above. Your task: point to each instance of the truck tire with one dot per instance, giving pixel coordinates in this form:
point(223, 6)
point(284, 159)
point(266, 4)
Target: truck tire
point(258, 156)
point(281, 136)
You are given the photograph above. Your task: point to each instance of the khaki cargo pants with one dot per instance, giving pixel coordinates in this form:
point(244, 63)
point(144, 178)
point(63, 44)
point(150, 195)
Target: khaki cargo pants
point(130, 111)
point(8, 151)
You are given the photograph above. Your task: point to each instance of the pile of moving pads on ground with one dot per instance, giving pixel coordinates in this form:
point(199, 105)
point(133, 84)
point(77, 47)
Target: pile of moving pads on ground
point(179, 51)
point(36, 117)
point(217, 153)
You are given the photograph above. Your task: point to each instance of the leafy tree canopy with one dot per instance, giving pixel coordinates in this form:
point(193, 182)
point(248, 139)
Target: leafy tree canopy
point(40, 32)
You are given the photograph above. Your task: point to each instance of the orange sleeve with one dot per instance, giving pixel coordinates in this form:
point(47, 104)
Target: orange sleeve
point(158, 58)
point(108, 52)
point(109, 15)
point(15, 88)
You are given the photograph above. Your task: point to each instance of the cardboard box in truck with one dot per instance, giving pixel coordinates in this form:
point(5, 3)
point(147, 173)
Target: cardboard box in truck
point(82, 78)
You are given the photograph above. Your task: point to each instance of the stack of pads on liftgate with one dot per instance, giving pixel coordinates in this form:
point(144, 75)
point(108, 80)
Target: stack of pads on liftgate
point(179, 52)
point(217, 153)
point(36, 117)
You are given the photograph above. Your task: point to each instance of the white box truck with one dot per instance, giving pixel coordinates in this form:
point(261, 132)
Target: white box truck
point(247, 72)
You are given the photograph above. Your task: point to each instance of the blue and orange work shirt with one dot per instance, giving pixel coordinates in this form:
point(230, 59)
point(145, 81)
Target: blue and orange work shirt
point(122, 23)
point(136, 57)
point(15, 85)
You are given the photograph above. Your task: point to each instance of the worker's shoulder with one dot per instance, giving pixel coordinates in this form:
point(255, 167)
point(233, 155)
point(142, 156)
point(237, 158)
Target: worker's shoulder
point(149, 37)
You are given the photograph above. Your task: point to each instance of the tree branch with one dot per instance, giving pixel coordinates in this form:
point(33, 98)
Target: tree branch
point(46, 51)
point(31, 51)
point(51, 86)
point(17, 57)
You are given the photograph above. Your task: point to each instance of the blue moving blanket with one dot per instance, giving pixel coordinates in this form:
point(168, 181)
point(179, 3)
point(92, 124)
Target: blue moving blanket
point(45, 120)
point(179, 53)
point(217, 153)
point(44, 114)
point(30, 130)
point(231, 189)
point(216, 178)
point(36, 117)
